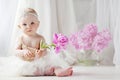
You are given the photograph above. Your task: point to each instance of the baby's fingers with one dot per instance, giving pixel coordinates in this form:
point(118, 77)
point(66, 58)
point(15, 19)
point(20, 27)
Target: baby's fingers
point(42, 49)
point(32, 55)
point(29, 54)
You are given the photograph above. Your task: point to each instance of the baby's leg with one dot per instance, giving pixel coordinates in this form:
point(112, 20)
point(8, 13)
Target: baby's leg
point(63, 72)
point(49, 72)
point(37, 72)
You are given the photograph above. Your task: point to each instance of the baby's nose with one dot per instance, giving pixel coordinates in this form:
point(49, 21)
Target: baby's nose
point(28, 26)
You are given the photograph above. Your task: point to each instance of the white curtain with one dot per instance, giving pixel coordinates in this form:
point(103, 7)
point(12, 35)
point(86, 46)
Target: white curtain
point(116, 27)
point(108, 16)
point(7, 16)
point(85, 12)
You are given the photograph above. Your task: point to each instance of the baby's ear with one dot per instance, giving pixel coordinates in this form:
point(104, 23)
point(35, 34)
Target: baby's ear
point(38, 22)
point(19, 26)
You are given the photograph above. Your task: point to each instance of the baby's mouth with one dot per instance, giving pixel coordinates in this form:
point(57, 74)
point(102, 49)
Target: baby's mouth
point(29, 30)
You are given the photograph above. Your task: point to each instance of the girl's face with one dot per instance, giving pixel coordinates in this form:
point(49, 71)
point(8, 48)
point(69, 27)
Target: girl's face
point(29, 24)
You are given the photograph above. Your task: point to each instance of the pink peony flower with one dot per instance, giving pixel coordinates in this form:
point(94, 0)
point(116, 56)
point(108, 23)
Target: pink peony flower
point(60, 42)
point(57, 49)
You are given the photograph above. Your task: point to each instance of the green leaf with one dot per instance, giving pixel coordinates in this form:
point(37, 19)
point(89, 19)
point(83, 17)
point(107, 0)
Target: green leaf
point(52, 45)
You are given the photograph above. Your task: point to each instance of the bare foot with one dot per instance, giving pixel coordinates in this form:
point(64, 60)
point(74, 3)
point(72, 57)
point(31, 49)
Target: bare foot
point(63, 72)
point(50, 72)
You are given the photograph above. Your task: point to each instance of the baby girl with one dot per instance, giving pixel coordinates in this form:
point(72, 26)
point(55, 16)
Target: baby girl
point(28, 47)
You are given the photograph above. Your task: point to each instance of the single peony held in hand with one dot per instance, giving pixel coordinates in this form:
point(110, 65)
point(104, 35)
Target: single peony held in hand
point(60, 41)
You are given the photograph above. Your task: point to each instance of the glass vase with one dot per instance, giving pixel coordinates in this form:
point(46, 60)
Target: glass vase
point(89, 58)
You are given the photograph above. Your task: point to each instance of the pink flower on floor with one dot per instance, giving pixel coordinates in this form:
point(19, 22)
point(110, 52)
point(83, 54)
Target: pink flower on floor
point(60, 42)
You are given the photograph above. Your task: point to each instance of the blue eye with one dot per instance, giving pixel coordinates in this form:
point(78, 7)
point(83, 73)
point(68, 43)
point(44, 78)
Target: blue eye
point(32, 22)
point(24, 24)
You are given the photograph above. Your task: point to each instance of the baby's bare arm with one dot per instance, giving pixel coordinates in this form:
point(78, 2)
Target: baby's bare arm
point(24, 54)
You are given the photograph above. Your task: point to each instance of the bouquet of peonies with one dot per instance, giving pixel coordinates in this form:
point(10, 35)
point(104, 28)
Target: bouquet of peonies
point(90, 39)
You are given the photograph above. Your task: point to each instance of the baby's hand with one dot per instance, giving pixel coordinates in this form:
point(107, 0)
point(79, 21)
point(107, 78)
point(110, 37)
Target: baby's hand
point(40, 53)
point(27, 55)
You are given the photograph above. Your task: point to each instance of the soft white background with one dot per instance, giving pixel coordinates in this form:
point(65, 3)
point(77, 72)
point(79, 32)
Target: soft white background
point(7, 16)
point(64, 16)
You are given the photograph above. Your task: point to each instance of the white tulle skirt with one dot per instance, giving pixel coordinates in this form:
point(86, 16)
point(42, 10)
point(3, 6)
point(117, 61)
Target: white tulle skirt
point(14, 66)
